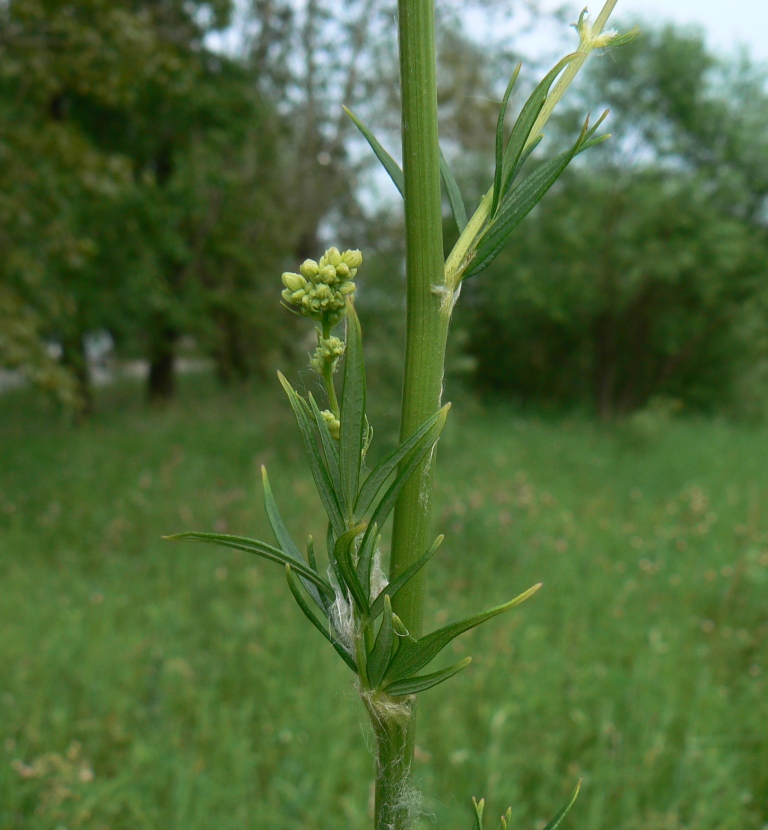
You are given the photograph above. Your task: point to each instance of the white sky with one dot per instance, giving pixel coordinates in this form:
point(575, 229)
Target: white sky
point(727, 23)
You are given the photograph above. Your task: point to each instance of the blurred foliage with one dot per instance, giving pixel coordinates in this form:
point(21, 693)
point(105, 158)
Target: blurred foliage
point(155, 179)
point(645, 277)
point(140, 180)
point(623, 287)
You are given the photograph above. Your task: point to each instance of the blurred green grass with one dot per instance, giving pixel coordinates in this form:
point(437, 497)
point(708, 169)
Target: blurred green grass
point(147, 685)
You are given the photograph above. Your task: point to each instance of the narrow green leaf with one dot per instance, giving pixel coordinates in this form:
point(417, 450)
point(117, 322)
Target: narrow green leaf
point(311, 553)
point(524, 156)
point(516, 206)
point(383, 649)
point(253, 546)
point(506, 819)
point(296, 591)
point(479, 806)
point(622, 40)
point(523, 126)
point(556, 821)
point(388, 163)
point(377, 606)
point(288, 546)
point(365, 553)
point(400, 628)
point(284, 540)
point(499, 171)
point(342, 553)
point(414, 685)
point(413, 655)
point(384, 469)
point(352, 430)
point(330, 544)
point(407, 469)
point(330, 447)
point(320, 472)
point(454, 194)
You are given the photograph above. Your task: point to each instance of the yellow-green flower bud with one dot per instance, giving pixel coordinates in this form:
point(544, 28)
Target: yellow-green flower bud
point(352, 259)
point(347, 288)
point(342, 271)
point(331, 257)
point(309, 268)
point(293, 282)
point(327, 274)
point(334, 426)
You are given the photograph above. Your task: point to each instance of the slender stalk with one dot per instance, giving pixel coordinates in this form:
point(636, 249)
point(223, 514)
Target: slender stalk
point(426, 332)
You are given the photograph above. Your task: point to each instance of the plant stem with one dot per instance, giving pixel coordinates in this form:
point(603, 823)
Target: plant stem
point(330, 389)
point(426, 332)
point(393, 768)
point(426, 327)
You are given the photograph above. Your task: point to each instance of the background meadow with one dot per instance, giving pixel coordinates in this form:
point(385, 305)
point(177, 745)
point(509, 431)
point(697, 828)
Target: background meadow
point(160, 165)
point(145, 684)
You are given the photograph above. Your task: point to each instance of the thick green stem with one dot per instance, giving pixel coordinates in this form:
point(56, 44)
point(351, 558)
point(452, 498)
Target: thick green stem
point(427, 327)
point(395, 801)
point(426, 324)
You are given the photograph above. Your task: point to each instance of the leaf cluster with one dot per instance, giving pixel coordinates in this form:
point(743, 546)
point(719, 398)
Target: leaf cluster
point(348, 605)
point(510, 199)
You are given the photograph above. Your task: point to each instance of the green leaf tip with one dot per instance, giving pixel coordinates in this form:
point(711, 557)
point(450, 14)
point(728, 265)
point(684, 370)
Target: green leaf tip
point(557, 820)
point(414, 655)
point(259, 549)
point(478, 806)
point(387, 162)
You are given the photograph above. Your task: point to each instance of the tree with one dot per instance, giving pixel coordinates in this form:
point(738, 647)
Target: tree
point(658, 305)
point(134, 150)
point(672, 302)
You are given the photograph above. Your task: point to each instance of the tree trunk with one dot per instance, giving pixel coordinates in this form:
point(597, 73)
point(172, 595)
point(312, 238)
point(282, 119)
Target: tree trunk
point(162, 351)
point(230, 354)
point(75, 359)
point(604, 368)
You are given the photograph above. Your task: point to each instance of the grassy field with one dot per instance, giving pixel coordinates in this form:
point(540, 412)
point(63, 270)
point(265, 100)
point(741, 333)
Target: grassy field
point(145, 685)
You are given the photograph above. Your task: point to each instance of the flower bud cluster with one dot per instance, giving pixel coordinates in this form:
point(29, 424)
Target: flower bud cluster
point(334, 425)
point(328, 352)
point(320, 290)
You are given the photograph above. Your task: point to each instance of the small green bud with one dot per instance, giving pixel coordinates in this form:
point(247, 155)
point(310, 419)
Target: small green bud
point(347, 288)
point(352, 259)
point(331, 257)
point(342, 271)
point(293, 282)
point(309, 268)
point(327, 274)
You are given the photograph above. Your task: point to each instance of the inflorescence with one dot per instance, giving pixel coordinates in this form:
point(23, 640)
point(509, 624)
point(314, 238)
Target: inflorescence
point(320, 290)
